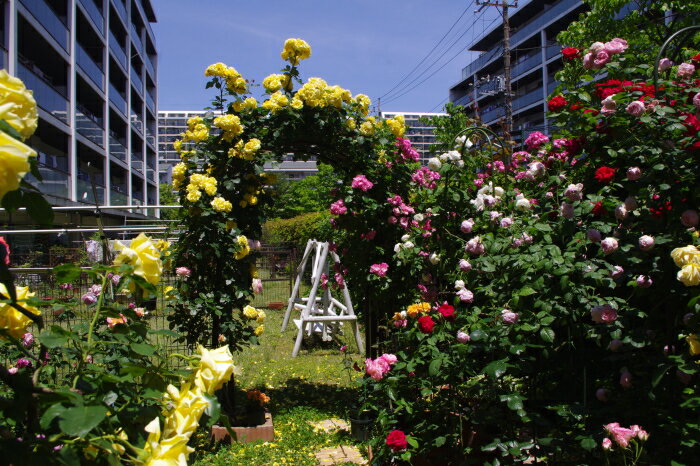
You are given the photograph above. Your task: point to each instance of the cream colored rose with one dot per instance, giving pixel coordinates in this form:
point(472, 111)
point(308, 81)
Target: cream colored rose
point(689, 275)
point(686, 255)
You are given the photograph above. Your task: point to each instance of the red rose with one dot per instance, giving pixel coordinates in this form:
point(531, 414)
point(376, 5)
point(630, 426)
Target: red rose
point(556, 103)
point(426, 324)
point(576, 106)
point(696, 58)
point(447, 311)
point(598, 209)
point(605, 174)
point(570, 53)
point(396, 440)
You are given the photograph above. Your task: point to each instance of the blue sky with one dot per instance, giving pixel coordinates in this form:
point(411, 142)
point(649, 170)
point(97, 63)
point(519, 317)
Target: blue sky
point(366, 46)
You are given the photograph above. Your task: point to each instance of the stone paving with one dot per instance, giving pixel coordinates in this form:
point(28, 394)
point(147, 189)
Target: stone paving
point(341, 454)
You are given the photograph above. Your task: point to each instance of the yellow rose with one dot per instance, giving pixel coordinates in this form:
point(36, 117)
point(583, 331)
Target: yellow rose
point(244, 247)
point(261, 316)
point(297, 104)
point(694, 344)
point(14, 162)
point(272, 82)
point(215, 369)
point(250, 312)
point(250, 103)
point(259, 330)
point(414, 310)
point(11, 320)
point(295, 50)
point(689, 275)
point(168, 451)
point(143, 255)
point(193, 195)
point(686, 255)
point(169, 293)
point(220, 204)
point(17, 105)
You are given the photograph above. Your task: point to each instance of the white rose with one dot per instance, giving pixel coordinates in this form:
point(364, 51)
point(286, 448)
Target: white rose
point(419, 217)
point(405, 238)
point(444, 157)
point(408, 244)
point(434, 258)
point(459, 284)
point(434, 163)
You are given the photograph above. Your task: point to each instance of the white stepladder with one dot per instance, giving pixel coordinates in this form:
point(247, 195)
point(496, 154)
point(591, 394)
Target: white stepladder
point(320, 312)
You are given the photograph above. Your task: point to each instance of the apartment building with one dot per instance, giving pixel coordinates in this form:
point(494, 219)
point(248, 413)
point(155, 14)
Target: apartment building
point(422, 135)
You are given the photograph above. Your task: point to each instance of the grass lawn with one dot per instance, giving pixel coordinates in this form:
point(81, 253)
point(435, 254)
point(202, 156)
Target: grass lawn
point(303, 390)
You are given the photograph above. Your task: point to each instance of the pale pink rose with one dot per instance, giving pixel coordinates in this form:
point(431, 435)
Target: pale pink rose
point(685, 70)
point(527, 239)
point(474, 246)
point(28, 340)
point(696, 100)
point(140, 312)
point(12, 370)
point(574, 192)
point(465, 295)
point(517, 242)
point(601, 58)
point(615, 345)
point(549, 194)
point(463, 337)
point(640, 433)
point(646, 242)
point(665, 64)
point(644, 281)
point(389, 358)
point(604, 314)
point(609, 245)
point(631, 203)
point(392, 220)
point(373, 369)
point(257, 286)
point(536, 169)
point(609, 106)
point(616, 272)
point(89, 298)
point(635, 108)
point(466, 226)
point(506, 222)
point(621, 435)
point(602, 394)
point(489, 200)
point(464, 265)
point(588, 61)
point(596, 47)
point(634, 173)
point(509, 317)
point(621, 212)
point(400, 323)
point(615, 46)
point(625, 378)
point(689, 218)
point(594, 235)
point(606, 444)
point(566, 210)
point(182, 272)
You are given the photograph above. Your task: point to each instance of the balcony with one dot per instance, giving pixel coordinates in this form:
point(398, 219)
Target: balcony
point(118, 197)
point(95, 14)
point(527, 65)
point(547, 17)
point(493, 115)
point(48, 98)
point(527, 99)
point(137, 162)
point(136, 81)
point(136, 122)
point(88, 65)
point(150, 66)
point(54, 182)
point(116, 149)
point(552, 51)
point(121, 9)
point(151, 103)
point(116, 98)
point(89, 125)
point(150, 137)
point(49, 20)
point(117, 50)
point(465, 99)
point(136, 39)
point(85, 192)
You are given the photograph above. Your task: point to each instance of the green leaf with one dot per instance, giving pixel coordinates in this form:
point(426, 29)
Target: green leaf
point(543, 227)
point(143, 349)
point(12, 200)
point(67, 273)
point(55, 337)
point(547, 334)
point(588, 444)
point(526, 291)
point(51, 414)
point(440, 441)
point(496, 368)
point(434, 367)
point(7, 128)
point(38, 208)
point(412, 441)
point(78, 421)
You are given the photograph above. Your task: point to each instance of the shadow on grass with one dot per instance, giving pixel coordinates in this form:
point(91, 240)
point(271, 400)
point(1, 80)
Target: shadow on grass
point(332, 399)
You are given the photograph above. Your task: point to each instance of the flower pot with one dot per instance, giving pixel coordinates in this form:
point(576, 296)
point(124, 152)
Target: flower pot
point(255, 417)
point(277, 305)
point(360, 429)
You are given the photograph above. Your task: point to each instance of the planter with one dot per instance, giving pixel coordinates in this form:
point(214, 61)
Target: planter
point(264, 432)
point(255, 417)
point(360, 429)
point(276, 305)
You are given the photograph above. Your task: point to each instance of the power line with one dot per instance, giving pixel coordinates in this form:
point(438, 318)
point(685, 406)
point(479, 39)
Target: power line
point(431, 50)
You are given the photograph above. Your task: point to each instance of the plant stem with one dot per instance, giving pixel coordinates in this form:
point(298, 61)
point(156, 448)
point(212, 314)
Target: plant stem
point(88, 347)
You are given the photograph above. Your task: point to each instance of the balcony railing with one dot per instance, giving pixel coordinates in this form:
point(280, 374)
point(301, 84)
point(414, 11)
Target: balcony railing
point(465, 99)
point(46, 96)
point(88, 65)
point(137, 162)
point(150, 101)
point(527, 99)
point(95, 14)
point(151, 66)
point(552, 51)
point(136, 39)
point(492, 115)
point(49, 19)
point(54, 182)
point(527, 65)
point(150, 137)
point(85, 192)
point(136, 122)
point(116, 98)
point(136, 81)
point(117, 149)
point(121, 9)
point(117, 50)
point(89, 126)
point(118, 198)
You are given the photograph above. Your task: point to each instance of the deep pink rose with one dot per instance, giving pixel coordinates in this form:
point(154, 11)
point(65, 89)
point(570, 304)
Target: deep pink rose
point(396, 440)
point(361, 182)
point(379, 270)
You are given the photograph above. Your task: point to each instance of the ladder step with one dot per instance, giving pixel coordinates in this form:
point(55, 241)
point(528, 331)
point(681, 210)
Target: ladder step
point(328, 318)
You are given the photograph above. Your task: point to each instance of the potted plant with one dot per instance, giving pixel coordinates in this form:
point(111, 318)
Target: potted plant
point(255, 410)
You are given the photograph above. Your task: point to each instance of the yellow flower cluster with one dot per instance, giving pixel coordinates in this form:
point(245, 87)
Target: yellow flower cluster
point(230, 125)
point(220, 204)
point(258, 315)
point(17, 105)
point(247, 150)
point(185, 408)
point(367, 127)
point(363, 102)
point(688, 259)
point(295, 50)
point(317, 93)
point(143, 255)
point(247, 104)
point(276, 102)
point(414, 310)
point(234, 80)
point(199, 182)
point(275, 82)
point(11, 320)
point(397, 125)
point(179, 172)
point(244, 248)
point(351, 124)
point(197, 131)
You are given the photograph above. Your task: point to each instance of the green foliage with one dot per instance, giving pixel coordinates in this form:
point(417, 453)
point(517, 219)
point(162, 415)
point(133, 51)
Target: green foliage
point(446, 126)
point(168, 197)
point(298, 230)
point(311, 194)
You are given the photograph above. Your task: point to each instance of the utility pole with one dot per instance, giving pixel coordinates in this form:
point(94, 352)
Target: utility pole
point(508, 98)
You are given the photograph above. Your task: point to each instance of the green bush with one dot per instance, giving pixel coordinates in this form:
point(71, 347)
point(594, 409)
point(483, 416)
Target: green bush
point(298, 230)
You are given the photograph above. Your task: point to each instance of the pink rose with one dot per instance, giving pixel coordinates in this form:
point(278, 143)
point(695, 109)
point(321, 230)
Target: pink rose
point(566, 210)
point(594, 235)
point(689, 218)
point(604, 314)
point(361, 182)
point(465, 295)
point(596, 47)
point(89, 298)
point(574, 192)
point(616, 272)
point(665, 64)
point(257, 286)
point(463, 337)
point(609, 106)
point(338, 207)
point(685, 70)
point(621, 212)
point(389, 358)
point(506, 222)
point(464, 265)
point(466, 226)
point(588, 61)
point(615, 46)
point(644, 281)
point(27, 340)
point(606, 444)
point(509, 317)
point(634, 173)
point(696, 100)
point(183, 272)
point(474, 246)
point(609, 245)
point(601, 58)
point(635, 108)
point(373, 369)
point(646, 242)
point(379, 270)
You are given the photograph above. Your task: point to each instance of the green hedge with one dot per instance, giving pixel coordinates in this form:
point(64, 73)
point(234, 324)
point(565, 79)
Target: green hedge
point(298, 230)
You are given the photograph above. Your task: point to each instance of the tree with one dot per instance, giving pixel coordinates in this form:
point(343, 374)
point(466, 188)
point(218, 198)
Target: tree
point(311, 194)
point(168, 197)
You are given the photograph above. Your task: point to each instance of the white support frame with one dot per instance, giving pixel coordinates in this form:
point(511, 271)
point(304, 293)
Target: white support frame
point(319, 309)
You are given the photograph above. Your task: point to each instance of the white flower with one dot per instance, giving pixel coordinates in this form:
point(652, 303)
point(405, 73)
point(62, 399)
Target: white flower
point(498, 191)
point(460, 163)
point(444, 157)
point(419, 217)
point(434, 164)
point(521, 203)
point(397, 247)
point(454, 155)
point(434, 258)
point(459, 284)
point(408, 245)
point(463, 141)
point(536, 169)
point(405, 238)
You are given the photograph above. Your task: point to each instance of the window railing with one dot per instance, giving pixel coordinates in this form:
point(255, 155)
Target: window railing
point(527, 99)
point(527, 65)
point(492, 115)
point(49, 19)
point(46, 96)
point(88, 125)
point(137, 162)
point(88, 65)
point(116, 98)
point(118, 198)
point(95, 14)
point(117, 149)
point(117, 49)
